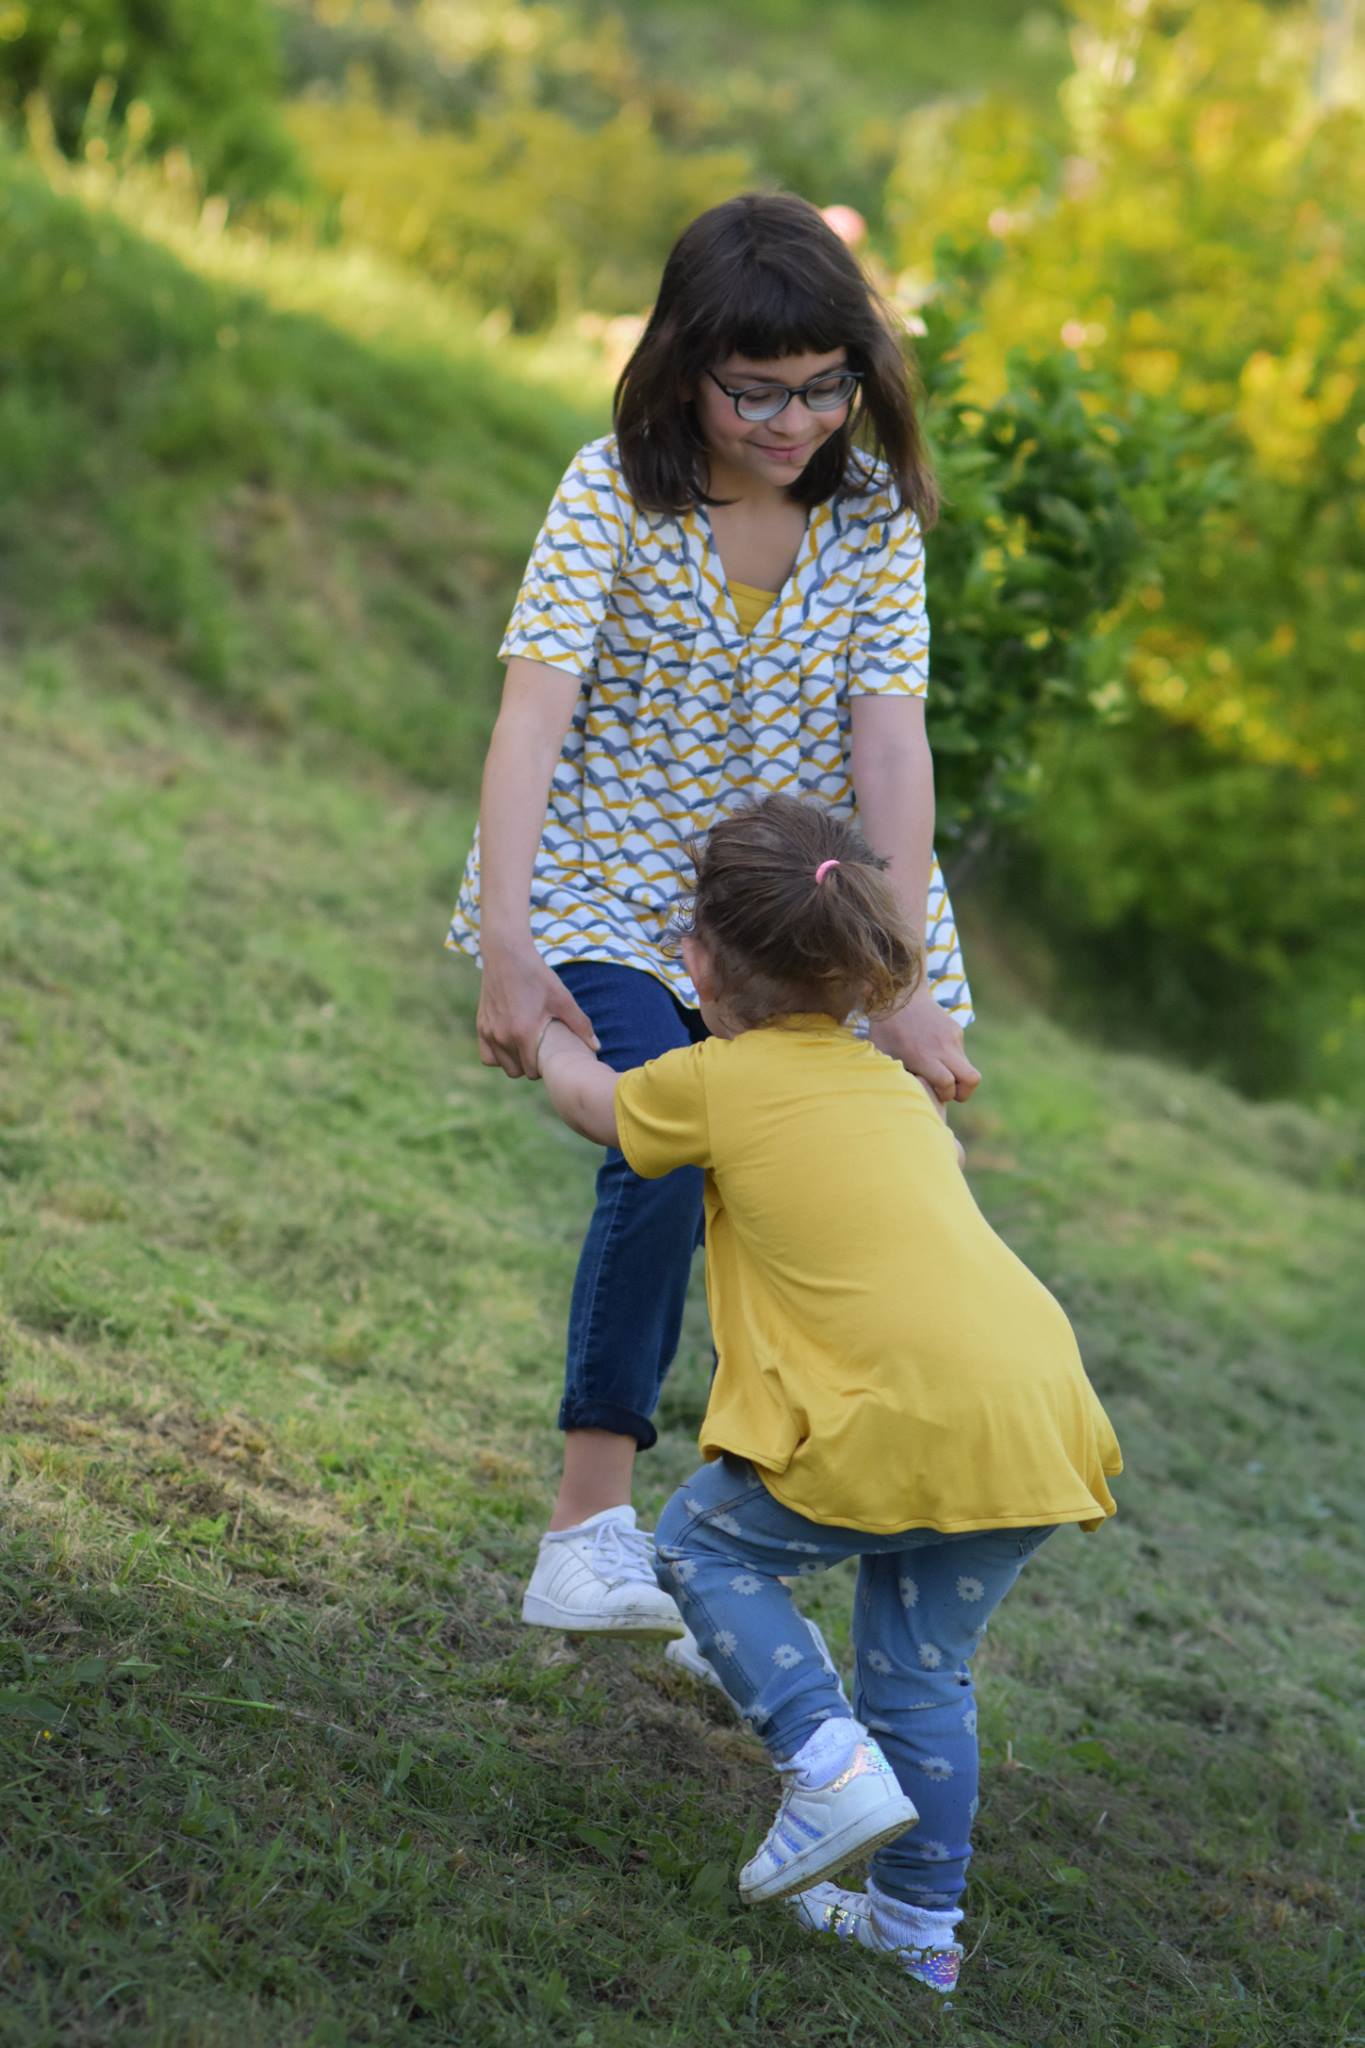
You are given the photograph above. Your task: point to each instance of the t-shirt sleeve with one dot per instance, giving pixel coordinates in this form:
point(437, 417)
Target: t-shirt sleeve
point(888, 653)
point(661, 1117)
point(567, 585)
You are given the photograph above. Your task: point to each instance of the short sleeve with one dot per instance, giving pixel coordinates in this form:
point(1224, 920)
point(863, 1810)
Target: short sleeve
point(661, 1119)
point(888, 647)
point(565, 591)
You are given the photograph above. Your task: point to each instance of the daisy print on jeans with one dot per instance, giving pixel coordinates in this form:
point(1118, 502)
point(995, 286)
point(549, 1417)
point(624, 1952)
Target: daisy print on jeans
point(930, 1656)
point(969, 1589)
point(745, 1582)
point(786, 1656)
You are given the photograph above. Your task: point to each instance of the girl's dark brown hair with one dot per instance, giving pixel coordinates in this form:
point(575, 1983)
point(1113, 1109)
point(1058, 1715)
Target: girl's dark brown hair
point(765, 276)
point(779, 940)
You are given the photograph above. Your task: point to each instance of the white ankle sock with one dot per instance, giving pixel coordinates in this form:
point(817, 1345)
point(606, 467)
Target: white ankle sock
point(897, 1924)
point(824, 1753)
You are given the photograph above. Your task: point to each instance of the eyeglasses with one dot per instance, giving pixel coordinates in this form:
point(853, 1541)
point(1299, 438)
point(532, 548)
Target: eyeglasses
point(765, 401)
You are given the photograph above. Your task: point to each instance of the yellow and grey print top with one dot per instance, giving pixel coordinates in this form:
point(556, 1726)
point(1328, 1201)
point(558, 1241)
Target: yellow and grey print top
point(683, 715)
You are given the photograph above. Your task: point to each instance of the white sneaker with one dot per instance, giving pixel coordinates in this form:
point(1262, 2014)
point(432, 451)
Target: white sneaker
point(829, 1909)
point(817, 1830)
point(598, 1579)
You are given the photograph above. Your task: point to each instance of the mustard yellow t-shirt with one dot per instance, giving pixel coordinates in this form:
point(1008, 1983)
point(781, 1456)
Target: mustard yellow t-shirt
point(884, 1359)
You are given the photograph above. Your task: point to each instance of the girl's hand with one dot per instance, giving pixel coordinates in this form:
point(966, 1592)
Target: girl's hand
point(924, 1038)
point(519, 997)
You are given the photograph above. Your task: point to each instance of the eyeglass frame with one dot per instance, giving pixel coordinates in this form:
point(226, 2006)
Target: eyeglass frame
point(792, 391)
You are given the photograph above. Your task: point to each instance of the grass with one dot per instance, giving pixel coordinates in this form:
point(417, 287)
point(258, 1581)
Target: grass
point(284, 1272)
point(298, 482)
point(282, 1281)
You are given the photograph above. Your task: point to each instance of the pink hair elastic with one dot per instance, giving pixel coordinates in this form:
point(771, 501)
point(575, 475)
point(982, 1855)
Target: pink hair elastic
point(824, 869)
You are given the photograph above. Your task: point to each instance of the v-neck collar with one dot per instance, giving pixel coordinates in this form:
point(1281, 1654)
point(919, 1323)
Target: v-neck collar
point(712, 569)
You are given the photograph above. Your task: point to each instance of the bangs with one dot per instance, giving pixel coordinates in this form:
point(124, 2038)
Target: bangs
point(771, 313)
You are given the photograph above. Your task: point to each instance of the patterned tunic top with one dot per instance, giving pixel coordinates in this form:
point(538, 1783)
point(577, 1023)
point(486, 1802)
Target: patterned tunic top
point(682, 716)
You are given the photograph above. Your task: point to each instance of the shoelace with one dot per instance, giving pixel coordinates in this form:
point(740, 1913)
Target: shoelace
point(623, 1555)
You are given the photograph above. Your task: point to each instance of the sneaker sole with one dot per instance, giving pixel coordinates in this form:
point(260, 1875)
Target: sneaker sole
point(539, 1613)
point(832, 1855)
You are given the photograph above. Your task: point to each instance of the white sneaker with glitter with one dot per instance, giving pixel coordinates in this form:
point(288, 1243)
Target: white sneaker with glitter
point(819, 1827)
point(848, 1916)
point(598, 1579)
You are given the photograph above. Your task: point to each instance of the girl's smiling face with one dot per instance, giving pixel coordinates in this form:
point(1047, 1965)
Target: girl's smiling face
point(765, 452)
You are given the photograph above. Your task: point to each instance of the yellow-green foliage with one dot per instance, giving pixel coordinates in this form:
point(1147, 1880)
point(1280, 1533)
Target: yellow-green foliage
point(526, 211)
point(520, 153)
point(804, 94)
point(1194, 228)
point(197, 75)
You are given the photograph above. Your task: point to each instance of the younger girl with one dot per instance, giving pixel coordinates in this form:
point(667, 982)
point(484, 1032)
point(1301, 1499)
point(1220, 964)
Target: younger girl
point(892, 1384)
point(727, 598)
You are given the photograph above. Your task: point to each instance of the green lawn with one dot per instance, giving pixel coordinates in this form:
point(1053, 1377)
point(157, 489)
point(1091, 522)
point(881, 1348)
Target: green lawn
point(283, 1274)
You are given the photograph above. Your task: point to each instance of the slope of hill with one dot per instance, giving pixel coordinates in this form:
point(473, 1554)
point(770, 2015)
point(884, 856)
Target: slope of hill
point(299, 483)
point(282, 1271)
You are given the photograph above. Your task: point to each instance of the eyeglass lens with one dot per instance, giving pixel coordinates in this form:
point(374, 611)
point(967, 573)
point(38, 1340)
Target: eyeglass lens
point(825, 394)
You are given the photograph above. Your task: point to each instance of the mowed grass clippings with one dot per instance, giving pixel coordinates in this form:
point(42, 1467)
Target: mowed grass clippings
point(284, 1274)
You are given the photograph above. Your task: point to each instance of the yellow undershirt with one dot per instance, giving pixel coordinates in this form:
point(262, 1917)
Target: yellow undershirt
point(750, 603)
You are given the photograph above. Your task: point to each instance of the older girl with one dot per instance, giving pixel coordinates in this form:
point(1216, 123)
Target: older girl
point(727, 598)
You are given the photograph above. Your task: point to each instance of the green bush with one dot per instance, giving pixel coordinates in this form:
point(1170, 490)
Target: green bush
point(1192, 229)
point(197, 75)
point(525, 213)
point(1055, 492)
point(807, 95)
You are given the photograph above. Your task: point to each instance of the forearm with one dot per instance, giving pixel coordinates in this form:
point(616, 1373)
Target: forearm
point(581, 1089)
point(536, 708)
point(893, 781)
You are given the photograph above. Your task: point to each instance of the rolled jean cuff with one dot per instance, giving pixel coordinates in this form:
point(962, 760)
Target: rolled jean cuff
point(577, 1414)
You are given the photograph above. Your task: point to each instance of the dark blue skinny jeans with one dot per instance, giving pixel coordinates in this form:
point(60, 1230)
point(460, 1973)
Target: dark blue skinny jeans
point(628, 1295)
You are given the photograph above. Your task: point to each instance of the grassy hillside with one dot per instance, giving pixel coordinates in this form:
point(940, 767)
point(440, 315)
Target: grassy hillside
point(301, 485)
point(282, 1278)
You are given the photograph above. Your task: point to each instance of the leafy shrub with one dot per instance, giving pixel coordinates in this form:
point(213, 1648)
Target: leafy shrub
point(1193, 229)
point(526, 212)
point(808, 95)
point(1055, 493)
point(197, 75)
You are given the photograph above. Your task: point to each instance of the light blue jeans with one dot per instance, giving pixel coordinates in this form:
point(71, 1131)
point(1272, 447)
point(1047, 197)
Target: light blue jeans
point(724, 1546)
